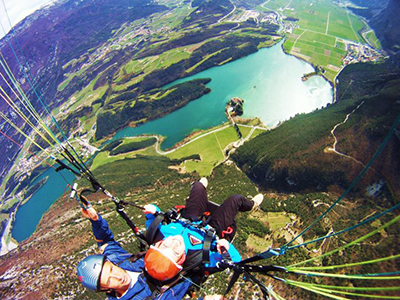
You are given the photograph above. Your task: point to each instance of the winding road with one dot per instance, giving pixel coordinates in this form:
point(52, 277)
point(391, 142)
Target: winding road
point(159, 151)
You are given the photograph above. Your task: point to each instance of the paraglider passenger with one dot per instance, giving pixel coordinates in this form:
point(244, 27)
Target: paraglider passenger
point(166, 258)
point(115, 273)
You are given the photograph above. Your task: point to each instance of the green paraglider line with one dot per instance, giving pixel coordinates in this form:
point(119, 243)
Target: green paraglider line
point(320, 289)
point(351, 264)
point(364, 237)
point(378, 152)
point(325, 290)
point(368, 220)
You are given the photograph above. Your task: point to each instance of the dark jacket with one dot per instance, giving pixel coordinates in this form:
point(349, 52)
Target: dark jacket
point(117, 255)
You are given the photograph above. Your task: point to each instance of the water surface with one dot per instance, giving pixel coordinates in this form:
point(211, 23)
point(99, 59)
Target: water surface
point(270, 83)
point(29, 214)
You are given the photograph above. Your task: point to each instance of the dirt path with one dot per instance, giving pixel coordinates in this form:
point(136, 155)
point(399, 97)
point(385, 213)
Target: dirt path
point(159, 151)
point(333, 148)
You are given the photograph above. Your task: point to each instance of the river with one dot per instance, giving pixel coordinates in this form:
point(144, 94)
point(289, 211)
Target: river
point(270, 83)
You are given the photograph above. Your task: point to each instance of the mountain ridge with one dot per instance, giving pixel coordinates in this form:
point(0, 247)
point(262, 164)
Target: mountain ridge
point(307, 177)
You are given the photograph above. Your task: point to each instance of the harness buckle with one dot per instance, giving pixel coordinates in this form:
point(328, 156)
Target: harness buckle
point(171, 215)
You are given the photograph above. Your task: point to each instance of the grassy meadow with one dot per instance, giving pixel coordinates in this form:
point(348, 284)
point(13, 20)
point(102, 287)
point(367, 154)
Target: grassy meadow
point(211, 145)
point(321, 31)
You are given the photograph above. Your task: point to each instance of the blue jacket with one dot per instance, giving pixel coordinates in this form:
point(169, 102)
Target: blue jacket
point(193, 238)
point(117, 255)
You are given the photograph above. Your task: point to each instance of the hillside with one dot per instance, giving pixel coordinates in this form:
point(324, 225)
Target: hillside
point(382, 16)
point(44, 265)
point(50, 255)
point(303, 159)
point(297, 166)
point(50, 38)
point(63, 238)
point(387, 24)
point(80, 56)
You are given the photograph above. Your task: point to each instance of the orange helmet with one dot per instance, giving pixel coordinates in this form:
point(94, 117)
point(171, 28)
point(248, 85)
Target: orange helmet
point(159, 265)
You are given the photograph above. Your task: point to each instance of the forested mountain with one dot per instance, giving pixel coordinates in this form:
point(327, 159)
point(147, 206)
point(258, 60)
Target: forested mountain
point(303, 159)
point(208, 12)
point(49, 38)
point(371, 4)
point(297, 166)
point(387, 24)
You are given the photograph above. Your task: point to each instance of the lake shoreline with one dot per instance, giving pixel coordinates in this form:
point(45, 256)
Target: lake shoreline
point(214, 105)
point(168, 85)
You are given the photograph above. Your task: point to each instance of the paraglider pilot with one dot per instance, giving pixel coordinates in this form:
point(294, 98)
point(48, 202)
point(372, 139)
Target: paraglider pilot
point(116, 273)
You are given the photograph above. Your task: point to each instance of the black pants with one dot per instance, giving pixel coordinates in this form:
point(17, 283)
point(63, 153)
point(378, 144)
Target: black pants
point(223, 218)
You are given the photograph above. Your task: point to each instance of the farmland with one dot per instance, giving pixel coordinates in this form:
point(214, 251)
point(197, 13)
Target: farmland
point(319, 32)
point(211, 146)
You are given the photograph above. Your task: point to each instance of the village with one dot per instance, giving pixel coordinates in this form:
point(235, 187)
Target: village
point(361, 53)
point(356, 52)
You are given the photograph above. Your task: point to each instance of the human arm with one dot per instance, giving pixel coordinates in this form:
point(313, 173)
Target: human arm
point(224, 250)
point(104, 237)
point(150, 210)
point(100, 227)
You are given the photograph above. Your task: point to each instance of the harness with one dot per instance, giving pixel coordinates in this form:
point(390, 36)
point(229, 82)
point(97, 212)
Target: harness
point(194, 265)
point(194, 258)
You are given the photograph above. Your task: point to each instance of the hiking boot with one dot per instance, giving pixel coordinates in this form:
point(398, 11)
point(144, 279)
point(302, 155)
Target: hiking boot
point(257, 199)
point(204, 181)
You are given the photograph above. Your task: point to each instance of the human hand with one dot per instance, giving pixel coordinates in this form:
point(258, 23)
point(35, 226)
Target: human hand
point(222, 246)
point(214, 297)
point(149, 209)
point(90, 213)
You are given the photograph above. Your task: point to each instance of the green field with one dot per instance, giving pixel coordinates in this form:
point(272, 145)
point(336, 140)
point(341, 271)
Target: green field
point(175, 18)
point(144, 66)
point(211, 148)
point(210, 145)
point(86, 96)
point(371, 37)
point(277, 220)
point(319, 35)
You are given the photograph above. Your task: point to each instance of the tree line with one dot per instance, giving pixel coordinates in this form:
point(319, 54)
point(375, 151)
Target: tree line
point(141, 109)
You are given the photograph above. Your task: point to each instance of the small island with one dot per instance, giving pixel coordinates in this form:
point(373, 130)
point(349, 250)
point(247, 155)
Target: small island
point(234, 108)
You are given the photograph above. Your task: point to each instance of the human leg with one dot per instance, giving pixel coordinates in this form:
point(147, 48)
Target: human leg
point(196, 204)
point(224, 217)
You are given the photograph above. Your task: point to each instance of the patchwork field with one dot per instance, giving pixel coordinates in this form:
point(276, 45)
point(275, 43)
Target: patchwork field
point(318, 31)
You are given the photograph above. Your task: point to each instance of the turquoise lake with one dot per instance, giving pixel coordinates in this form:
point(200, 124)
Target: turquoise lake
point(270, 83)
point(29, 214)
